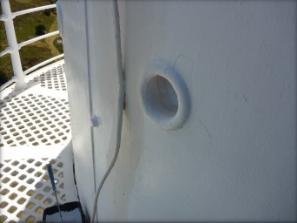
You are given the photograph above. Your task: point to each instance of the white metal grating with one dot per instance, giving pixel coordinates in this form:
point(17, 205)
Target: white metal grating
point(35, 130)
point(53, 79)
point(33, 120)
point(26, 189)
point(37, 116)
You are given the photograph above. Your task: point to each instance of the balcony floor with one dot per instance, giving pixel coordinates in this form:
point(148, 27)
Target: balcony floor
point(35, 131)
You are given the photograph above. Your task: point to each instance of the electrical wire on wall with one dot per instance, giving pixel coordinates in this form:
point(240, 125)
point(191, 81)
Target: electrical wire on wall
point(120, 102)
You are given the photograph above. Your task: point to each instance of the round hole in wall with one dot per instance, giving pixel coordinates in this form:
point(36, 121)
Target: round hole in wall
point(164, 96)
point(161, 97)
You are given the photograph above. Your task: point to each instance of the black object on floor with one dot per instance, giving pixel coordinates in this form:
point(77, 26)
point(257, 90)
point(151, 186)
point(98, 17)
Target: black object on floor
point(71, 212)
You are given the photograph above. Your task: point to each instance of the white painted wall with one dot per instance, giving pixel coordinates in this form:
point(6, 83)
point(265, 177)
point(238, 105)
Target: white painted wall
point(74, 34)
point(235, 157)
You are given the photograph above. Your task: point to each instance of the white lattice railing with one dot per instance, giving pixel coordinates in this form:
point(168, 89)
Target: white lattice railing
point(14, 47)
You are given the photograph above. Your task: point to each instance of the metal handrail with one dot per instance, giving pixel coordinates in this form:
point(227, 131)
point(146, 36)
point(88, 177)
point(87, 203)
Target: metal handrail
point(25, 43)
point(6, 51)
point(14, 47)
point(43, 63)
point(13, 79)
point(3, 17)
point(38, 38)
point(33, 10)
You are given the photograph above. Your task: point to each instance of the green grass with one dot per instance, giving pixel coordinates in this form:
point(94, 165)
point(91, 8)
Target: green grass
point(3, 41)
point(5, 69)
point(25, 25)
point(25, 29)
point(32, 55)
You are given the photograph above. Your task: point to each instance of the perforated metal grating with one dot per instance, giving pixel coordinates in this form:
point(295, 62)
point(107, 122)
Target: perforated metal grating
point(26, 189)
point(33, 120)
point(35, 130)
point(36, 117)
point(53, 79)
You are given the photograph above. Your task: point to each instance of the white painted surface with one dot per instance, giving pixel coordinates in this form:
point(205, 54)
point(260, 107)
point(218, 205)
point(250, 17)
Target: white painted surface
point(234, 159)
point(75, 50)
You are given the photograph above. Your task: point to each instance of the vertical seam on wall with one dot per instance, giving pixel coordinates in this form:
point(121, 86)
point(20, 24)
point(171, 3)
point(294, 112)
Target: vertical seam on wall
point(90, 92)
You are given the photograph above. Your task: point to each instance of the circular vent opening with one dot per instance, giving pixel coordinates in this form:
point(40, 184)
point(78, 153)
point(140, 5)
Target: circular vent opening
point(161, 97)
point(164, 96)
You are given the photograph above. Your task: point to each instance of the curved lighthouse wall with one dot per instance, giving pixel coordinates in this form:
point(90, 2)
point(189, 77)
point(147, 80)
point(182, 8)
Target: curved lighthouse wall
point(221, 146)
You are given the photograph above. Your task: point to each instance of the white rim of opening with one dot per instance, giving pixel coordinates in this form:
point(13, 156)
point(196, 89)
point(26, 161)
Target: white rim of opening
point(164, 70)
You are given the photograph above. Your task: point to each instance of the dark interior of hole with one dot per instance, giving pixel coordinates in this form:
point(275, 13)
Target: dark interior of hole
point(161, 97)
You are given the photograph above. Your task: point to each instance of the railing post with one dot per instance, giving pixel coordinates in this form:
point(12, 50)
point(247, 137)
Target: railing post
point(13, 45)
